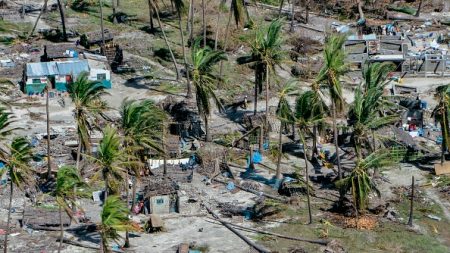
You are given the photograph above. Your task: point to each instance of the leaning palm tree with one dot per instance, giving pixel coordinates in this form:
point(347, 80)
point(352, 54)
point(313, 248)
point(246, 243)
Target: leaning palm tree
point(266, 53)
point(140, 124)
point(155, 8)
point(181, 9)
point(20, 173)
point(441, 114)
point(203, 62)
point(369, 110)
point(111, 161)
point(114, 219)
point(87, 99)
point(285, 115)
point(310, 110)
point(333, 68)
point(359, 182)
point(67, 179)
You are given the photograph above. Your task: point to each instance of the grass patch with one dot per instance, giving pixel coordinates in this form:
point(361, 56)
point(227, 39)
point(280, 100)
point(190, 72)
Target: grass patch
point(403, 9)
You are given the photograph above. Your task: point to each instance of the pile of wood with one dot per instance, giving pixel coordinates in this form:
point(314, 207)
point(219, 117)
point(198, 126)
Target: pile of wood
point(40, 217)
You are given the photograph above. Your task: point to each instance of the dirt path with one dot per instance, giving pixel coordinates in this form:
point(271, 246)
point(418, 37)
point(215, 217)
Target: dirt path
point(432, 194)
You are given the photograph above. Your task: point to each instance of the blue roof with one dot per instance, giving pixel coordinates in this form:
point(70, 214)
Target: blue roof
point(74, 68)
point(37, 69)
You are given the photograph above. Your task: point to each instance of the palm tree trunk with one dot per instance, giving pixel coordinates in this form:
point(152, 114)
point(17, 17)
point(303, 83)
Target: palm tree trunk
point(167, 44)
point(255, 109)
point(78, 153)
point(306, 177)
point(49, 167)
point(204, 23)
point(335, 137)
point(267, 100)
point(208, 136)
point(164, 150)
point(291, 28)
point(38, 18)
point(191, 21)
point(360, 10)
point(113, 6)
point(63, 21)
point(419, 8)
point(261, 139)
point(101, 26)
point(280, 152)
point(374, 142)
point(186, 66)
point(106, 188)
point(118, 3)
point(150, 15)
point(315, 139)
point(216, 39)
point(61, 232)
point(280, 9)
point(444, 139)
point(8, 221)
point(225, 44)
point(133, 193)
point(127, 236)
point(307, 11)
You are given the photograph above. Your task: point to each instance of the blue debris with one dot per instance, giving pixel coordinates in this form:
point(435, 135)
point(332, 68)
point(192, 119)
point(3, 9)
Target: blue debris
point(230, 186)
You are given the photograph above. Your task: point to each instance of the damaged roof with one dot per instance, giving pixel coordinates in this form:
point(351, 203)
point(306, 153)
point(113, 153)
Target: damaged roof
point(75, 68)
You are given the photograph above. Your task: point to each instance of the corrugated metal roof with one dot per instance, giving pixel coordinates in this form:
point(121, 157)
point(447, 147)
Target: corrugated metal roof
point(74, 68)
point(36, 69)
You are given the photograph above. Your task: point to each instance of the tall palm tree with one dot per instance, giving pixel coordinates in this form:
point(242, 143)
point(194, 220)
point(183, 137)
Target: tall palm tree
point(140, 124)
point(360, 183)
point(236, 10)
point(181, 9)
point(155, 7)
point(333, 68)
point(310, 110)
point(66, 180)
point(285, 115)
point(266, 53)
point(63, 20)
point(419, 8)
point(203, 62)
point(87, 99)
point(219, 12)
point(441, 114)
point(20, 173)
point(114, 219)
point(112, 161)
point(368, 111)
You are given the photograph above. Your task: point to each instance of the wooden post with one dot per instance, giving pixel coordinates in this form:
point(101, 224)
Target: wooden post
point(410, 221)
point(164, 149)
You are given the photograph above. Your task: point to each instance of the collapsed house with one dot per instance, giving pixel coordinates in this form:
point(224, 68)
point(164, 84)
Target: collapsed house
point(160, 191)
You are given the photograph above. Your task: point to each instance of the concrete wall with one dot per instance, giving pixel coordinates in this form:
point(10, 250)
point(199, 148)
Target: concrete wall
point(160, 204)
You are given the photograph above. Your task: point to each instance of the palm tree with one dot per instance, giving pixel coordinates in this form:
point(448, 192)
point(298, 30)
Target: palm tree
point(285, 116)
point(203, 61)
point(360, 183)
point(154, 6)
point(441, 114)
point(66, 180)
point(266, 53)
point(114, 218)
point(47, 112)
point(368, 111)
point(419, 8)
point(86, 97)
point(333, 68)
point(310, 110)
point(219, 11)
point(63, 21)
point(181, 9)
point(20, 153)
point(236, 10)
point(6, 122)
point(111, 160)
point(141, 123)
